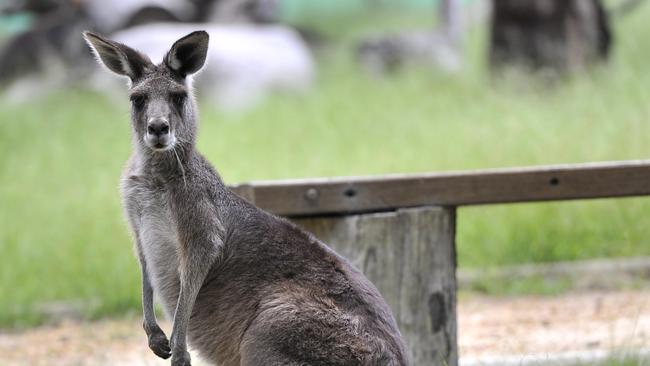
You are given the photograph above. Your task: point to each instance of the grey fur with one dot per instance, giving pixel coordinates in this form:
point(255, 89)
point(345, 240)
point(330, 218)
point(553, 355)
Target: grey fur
point(243, 286)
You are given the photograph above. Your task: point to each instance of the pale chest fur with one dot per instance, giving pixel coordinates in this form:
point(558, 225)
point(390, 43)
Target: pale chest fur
point(149, 214)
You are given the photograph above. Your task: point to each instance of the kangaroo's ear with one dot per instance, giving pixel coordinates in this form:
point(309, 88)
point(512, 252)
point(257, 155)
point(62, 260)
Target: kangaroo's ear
point(120, 59)
point(188, 54)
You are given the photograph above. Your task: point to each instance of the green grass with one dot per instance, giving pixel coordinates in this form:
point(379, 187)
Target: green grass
point(62, 235)
point(619, 361)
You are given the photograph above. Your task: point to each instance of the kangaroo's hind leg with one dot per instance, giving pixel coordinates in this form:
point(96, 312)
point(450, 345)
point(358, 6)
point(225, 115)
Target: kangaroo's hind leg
point(261, 357)
point(256, 349)
point(302, 332)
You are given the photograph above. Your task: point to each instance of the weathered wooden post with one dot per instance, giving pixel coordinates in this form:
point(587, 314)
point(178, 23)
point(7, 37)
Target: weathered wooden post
point(409, 255)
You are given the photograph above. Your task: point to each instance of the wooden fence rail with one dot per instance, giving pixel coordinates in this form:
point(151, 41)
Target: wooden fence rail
point(400, 230)
point(317, 197)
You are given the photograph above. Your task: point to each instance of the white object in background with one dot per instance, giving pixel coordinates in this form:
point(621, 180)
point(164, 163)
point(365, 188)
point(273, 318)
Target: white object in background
point(245, 62)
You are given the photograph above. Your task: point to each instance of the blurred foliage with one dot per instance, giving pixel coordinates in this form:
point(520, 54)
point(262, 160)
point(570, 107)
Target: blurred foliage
point(298, 9)
point(14, 24)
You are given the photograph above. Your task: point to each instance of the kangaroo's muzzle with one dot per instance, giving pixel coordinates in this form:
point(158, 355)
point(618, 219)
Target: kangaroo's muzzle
point(159, 136)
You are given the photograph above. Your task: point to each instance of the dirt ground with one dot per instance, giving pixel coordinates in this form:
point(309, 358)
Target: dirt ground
point(613, 321)
point(488, 327)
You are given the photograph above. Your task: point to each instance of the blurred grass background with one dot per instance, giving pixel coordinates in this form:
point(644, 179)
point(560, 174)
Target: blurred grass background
point(63, 238)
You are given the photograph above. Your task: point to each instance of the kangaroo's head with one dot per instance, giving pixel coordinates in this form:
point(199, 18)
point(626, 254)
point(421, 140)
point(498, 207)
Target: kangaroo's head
point(162, 107)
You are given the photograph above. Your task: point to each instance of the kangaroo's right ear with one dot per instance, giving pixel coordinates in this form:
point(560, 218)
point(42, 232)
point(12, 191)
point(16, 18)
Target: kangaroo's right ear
point(120, 59)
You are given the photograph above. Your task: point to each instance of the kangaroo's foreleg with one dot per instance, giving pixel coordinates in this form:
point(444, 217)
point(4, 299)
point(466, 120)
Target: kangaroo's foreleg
point(157, 339)
point(158, 342)
point(201, 246)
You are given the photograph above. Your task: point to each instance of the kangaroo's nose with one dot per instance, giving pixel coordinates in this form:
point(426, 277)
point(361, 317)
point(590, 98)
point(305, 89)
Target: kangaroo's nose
point(159, 127)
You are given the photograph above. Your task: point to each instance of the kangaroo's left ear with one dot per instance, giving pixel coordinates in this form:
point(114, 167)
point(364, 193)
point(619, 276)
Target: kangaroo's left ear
point(188, 54)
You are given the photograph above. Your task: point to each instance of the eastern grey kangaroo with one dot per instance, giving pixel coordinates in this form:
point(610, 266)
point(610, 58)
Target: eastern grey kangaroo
point(243, 286)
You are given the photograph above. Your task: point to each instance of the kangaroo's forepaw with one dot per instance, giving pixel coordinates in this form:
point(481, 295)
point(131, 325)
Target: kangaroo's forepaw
point(160, 345)
point(181, 358)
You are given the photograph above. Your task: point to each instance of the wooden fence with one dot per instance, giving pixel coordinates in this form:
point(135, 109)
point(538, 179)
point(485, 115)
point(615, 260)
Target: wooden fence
point(400, 229)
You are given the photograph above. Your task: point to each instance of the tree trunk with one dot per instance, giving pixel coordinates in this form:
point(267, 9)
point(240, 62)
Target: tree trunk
point(556, 35)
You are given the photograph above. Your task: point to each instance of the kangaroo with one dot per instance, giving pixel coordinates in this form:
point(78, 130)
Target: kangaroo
point(242, 286)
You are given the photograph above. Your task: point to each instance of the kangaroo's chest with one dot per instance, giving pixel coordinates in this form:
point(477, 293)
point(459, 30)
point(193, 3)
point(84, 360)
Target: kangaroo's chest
point(158, 241)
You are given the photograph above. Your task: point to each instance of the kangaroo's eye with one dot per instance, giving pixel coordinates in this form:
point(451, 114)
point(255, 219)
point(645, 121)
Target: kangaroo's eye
point(138, 101)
